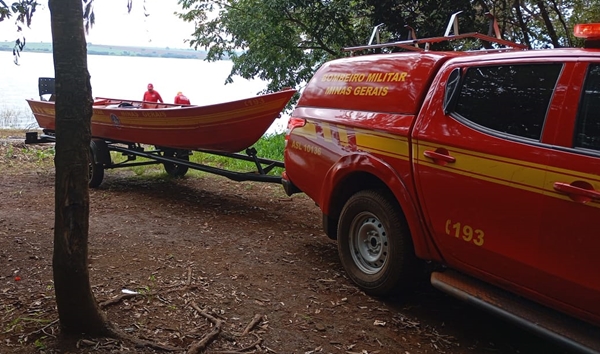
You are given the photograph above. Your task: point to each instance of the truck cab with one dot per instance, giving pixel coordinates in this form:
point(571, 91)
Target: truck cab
point(485, 163)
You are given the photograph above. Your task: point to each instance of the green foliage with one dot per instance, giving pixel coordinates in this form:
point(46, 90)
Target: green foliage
point(17, 323)
point(10, 152)
point(539, 24)
point(22, 9)
point(38, 154)
point(271, 146)
point(281, 41)
point(285, 41)
point(39, 343)
point(268, 147)
point(428, 18)
point(145, 290)
point(44, 154)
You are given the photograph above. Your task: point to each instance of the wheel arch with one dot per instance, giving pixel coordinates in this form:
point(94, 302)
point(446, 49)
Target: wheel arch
point(353, 173)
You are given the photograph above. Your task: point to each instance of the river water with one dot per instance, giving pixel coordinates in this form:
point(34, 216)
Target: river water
point(123, 77)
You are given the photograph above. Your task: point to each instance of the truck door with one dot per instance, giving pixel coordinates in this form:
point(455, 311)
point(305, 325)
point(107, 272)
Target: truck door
point(480, 166)
point(570, 231)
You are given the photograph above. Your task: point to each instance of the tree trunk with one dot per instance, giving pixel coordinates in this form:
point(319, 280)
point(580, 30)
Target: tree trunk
point(77, 309)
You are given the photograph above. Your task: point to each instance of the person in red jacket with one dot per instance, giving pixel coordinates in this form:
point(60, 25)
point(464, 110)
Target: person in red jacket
point(151, 96)
point(181, 99)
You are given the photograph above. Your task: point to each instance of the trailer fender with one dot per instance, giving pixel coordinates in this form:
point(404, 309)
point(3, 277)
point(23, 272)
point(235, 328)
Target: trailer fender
point(100, 152)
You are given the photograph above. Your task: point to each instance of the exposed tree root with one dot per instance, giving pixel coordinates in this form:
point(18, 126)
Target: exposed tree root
point(201, 345)
point(116, 300)
point(197, 347)
point(187, 287)
point(43, 329)
point(194, 348)
point(252, 346)
point(115, 333)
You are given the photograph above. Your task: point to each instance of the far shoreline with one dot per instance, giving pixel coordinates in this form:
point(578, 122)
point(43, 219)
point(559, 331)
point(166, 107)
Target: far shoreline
point(115, 50)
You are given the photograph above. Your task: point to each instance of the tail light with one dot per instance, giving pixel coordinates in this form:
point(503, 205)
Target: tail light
point(293, 123)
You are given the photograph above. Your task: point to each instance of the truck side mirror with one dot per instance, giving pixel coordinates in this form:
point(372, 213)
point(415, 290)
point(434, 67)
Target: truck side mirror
point(451, 92)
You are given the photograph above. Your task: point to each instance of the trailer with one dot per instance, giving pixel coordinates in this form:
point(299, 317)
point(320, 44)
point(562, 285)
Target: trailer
point(176, 162)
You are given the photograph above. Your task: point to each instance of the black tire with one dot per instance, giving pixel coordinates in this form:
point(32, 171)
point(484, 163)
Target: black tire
point(174, 169)
point(374, 243)
point(96, 172)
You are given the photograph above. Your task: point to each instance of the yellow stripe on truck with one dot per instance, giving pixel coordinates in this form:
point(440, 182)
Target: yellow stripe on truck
point(513, 173)
point(388, 145)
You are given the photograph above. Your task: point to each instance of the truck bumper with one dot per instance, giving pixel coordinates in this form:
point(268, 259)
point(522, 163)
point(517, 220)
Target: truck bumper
point(289, 187)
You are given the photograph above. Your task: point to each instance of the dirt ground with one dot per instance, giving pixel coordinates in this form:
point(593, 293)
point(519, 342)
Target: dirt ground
point(245, 253)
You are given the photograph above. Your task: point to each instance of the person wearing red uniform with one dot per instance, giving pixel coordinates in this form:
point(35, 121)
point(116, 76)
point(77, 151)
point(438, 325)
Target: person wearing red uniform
point(181, 99)
point(151, 96)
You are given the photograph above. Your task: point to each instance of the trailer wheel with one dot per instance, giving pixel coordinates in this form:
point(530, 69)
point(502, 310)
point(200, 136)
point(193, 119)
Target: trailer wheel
point(374, 243)
point(96, 172)
point(174, 169)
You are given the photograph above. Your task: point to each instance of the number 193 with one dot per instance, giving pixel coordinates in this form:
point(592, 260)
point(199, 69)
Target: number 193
point(465, 232)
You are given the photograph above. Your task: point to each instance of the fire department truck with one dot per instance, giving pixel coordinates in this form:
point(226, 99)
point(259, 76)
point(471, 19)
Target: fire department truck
point(485, 162)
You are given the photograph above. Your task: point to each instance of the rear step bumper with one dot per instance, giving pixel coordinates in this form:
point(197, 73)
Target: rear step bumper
point(289, 187)
point(566, 331)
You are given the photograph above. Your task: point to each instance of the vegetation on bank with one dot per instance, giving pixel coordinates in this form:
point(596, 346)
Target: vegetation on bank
point(268, 147)
point(131, 51)
point(10, 117)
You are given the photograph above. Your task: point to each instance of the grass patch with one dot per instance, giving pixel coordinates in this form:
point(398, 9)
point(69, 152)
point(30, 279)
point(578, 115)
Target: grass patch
point(12, 133)
point(268, 147)
point(17, 157)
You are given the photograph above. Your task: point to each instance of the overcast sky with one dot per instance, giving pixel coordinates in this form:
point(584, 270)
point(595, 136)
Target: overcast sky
point(114, 26)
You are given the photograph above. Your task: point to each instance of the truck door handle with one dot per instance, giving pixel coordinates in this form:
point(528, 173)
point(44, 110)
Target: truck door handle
point(440, 156)
point(579, 191)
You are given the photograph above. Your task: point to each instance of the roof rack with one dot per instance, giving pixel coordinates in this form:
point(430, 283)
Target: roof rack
point(414, 43)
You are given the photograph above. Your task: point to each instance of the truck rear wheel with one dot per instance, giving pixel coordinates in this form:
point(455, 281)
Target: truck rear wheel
point(374, 243)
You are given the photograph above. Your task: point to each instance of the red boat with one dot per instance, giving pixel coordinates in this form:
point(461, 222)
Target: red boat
point(224, 127)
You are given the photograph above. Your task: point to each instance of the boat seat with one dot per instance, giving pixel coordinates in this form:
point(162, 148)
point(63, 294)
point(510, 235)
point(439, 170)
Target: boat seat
point(46, 87)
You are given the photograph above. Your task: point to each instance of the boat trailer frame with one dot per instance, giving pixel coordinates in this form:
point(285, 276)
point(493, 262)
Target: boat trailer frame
point(176, 161)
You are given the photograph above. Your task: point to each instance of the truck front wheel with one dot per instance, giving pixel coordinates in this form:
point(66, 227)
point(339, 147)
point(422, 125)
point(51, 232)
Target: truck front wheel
point(374, 243)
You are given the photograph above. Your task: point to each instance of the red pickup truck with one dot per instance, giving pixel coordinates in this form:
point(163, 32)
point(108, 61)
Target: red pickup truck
point(486, 163)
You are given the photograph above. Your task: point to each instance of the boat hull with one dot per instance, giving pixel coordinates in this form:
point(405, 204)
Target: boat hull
point(227, 127)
